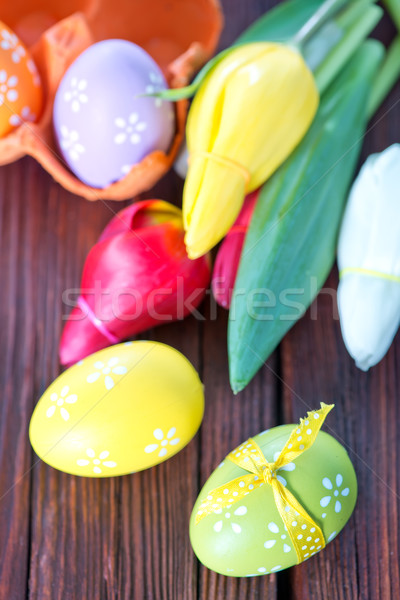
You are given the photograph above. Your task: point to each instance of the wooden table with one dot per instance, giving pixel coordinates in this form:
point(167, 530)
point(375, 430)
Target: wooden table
point(67, 538)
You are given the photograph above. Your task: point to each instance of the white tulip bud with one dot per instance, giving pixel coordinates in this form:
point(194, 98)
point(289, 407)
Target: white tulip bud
point(369, 260)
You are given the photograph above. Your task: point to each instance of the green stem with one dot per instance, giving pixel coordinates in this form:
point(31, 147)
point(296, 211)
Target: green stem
point(389, 74)
point(341, 53)
point(393, 8)
point(328, 9)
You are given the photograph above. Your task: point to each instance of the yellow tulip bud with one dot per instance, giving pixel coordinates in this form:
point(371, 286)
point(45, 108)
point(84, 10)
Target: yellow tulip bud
point(249, 114)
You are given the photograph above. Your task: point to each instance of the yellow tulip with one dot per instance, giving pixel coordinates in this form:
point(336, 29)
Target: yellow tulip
point(247, 117)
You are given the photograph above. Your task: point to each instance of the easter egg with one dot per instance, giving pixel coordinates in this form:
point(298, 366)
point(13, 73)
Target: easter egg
point(20, 87)
point(120, 410)
point(249, 537)
point(104, 124)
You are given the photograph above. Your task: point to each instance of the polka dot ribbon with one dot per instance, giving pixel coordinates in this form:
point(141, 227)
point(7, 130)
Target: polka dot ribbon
point(249, 457)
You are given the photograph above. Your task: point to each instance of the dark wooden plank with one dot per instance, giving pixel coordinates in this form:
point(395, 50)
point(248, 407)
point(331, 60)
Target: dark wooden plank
point(18, 302)
point(239, 15)
point(156, 560)
point(124, 537)
point(73, 521)
point(363, 561)
point(155, 557)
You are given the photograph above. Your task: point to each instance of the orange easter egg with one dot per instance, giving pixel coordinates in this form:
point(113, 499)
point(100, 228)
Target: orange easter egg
point(21, 95)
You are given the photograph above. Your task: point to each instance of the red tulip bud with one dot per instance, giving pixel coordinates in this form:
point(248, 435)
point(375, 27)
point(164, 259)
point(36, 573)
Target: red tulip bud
point(228, 257)
point(138, 275)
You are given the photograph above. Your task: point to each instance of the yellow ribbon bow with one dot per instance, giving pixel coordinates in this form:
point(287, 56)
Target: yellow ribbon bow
point(249, 457)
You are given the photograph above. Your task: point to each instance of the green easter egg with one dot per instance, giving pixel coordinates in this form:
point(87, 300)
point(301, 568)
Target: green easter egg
point(249, 538)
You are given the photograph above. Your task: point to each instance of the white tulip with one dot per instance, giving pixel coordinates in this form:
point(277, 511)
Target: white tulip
point(369, 260)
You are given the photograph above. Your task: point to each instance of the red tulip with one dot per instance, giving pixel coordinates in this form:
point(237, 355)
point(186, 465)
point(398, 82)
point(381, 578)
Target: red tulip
point(228, 257)
point(138, 275)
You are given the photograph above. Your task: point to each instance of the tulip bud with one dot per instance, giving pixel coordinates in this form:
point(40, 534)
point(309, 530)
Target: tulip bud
point(228, 257)
point(138, 275)
point(250, 112)
point(369, 260)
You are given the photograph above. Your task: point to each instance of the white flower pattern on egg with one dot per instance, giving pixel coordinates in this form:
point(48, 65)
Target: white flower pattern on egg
point(156, 85)
point(274, 529)
point(76, 94)
point(109, 369)
point(58, 401)
point(130, 129)
point(264, 571)
point(309, 538)
point(9, 41)
point(125, 169)
point(164, 442)
point(97, 462)
point(7, 85)
point(236, 528)
point(26, 115)
point(335, 492)
point(70, 143)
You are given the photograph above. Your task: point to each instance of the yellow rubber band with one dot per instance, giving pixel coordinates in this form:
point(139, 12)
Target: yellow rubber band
point(369, 273)
point(223, 160)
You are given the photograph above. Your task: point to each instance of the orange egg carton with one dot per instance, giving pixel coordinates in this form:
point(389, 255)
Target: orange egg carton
point(180, 35)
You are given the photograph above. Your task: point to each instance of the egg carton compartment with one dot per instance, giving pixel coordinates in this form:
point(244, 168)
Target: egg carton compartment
point(180, 35)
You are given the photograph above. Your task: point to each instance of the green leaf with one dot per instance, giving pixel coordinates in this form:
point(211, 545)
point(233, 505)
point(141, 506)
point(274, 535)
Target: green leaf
point(281, 23)
point(325, 58)
point(290, 246)
point(387, 77)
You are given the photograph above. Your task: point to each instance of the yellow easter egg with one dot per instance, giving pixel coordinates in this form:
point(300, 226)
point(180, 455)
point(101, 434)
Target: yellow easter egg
point(21, 96)
point(120, 410)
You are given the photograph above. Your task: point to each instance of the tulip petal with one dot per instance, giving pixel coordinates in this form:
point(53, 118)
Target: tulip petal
point(242, 101)
point(146, 241)
point(228, 257)
point(369, 245)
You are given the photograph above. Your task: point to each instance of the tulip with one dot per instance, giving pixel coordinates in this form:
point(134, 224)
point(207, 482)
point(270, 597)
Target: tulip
point(369, 260)
point(228, 257)
point(136, 276)
point(291, 242)
point(250, 112)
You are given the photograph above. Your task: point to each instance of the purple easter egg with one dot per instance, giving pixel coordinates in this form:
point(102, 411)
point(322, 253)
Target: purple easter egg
point(103, 124)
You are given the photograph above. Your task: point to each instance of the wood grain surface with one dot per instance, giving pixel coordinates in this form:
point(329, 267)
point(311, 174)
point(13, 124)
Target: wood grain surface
point(69, 538)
